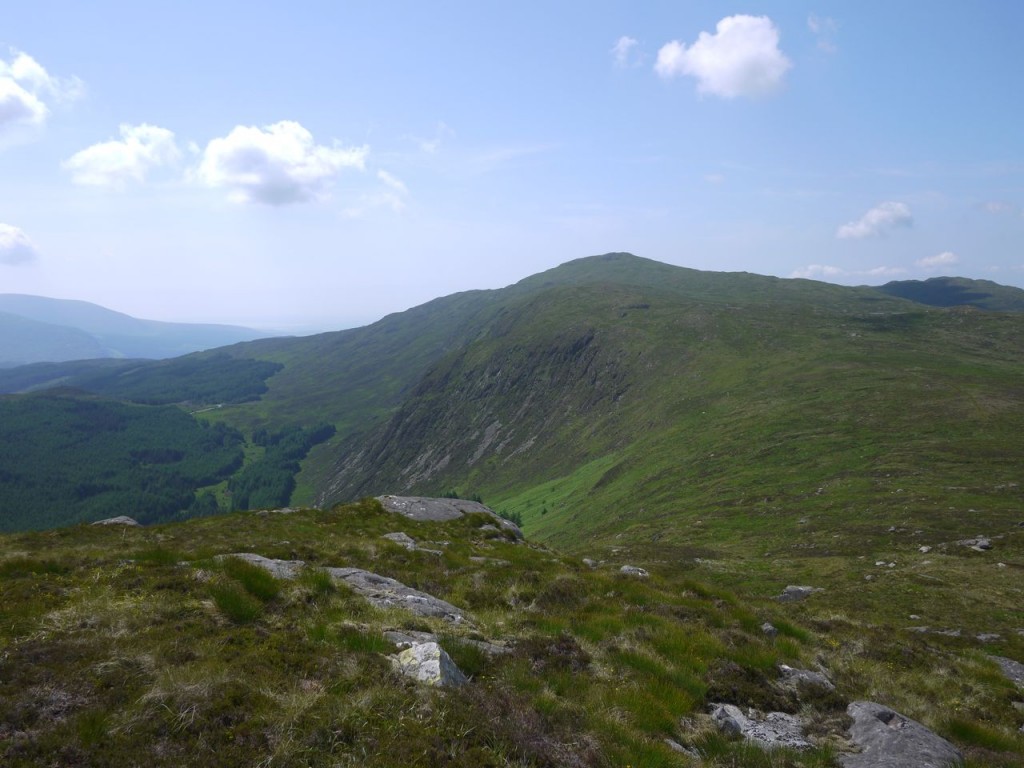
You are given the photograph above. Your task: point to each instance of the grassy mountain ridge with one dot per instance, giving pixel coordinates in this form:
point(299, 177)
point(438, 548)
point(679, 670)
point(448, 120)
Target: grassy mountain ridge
point(958, 291)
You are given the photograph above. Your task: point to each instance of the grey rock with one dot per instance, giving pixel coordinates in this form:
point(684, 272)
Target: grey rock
point(385, 592)
point(428, 663)
point(675, 746)
point(987, 637)
point(775, 729)
point(794, 593)
point(119, 520)
point(769, 629)
point(279, 569)
point(424, 508)
point(402, 539)
point(406, 638)
point(380, 591)
point(924, 549)
point(1013, 670)
point(589, 563)
point(887, 739)
point(632, 570)
point(797, 677)
point(979, 543)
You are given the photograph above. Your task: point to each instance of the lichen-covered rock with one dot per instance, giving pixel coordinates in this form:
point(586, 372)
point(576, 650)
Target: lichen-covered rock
point(794, 593)
point(424, 508)
point(887, 739)
point(632, 570)
point(428, 663)
point(774, 729)
point(402, 539)
point(1013, 670)
point(381, 591)
point(119, 520)
point(797, 677)
point(385, 592)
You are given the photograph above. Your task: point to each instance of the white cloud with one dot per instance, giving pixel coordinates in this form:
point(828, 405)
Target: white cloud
point(1001, 207)
point(276, 165)
point(742, 58)
point(824, 28)
point(826, 271)
point(622, 49)
point(15, 247)
point(141, 149)
point(878, 221)
point(714, 178)
point(392, 181)
point(944, 259)
point(25, 87)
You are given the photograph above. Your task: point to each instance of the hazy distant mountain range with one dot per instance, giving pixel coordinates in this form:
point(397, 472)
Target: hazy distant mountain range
point(36, 329)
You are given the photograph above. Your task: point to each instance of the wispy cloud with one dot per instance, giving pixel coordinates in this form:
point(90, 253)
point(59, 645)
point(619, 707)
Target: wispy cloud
point(276, 165)
point(826, 271)
point(944, 259)
point(15, 246)
point(623, 52)
point(880, 220)
point(141, 149)
point(742, 58)
point(825, 29)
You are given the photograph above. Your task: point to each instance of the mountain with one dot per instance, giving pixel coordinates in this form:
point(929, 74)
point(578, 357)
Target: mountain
point(958, 291)
point(733, 434)
point(37, 329)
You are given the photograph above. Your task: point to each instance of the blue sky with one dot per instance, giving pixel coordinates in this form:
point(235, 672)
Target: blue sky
point(321, 164)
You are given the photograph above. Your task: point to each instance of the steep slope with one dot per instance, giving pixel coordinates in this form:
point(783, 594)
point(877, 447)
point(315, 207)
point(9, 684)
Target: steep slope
point(113, 334)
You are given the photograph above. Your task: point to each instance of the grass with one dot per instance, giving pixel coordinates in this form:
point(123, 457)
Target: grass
point(164, 659)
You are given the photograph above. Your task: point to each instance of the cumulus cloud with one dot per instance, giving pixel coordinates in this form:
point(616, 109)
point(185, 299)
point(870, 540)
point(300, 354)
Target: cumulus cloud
point(742, 58)
point(943, 259)
point(881, 219)
point(140, 149)
point(276, 165)
point(826, 271)
point(25, 87)
point(15, 247)
point(622, 50)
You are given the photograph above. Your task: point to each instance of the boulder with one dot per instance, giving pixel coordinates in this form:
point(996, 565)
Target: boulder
point(424, 508)
point(775, 729)
point(793, 593)
point(632, 570)
point(119, 520)
point(769, 630)
point(279, 569)
point(428, 663)
point(797, 677)
point(887, 739)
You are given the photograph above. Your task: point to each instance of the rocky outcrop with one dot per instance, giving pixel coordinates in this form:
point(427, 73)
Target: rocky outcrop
point(424, 508)
point(119, 520)
point(402, 539)
point(774, 729)
point(1013, 670)
point(429, 664)
point(887, 739)
point(795, 678)
point(381, 591)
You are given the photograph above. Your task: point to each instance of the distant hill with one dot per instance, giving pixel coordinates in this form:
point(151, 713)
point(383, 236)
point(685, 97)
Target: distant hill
point(36, 329)
point(956, 292)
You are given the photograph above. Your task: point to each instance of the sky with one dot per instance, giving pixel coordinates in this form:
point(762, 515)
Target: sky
point(316, 165)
